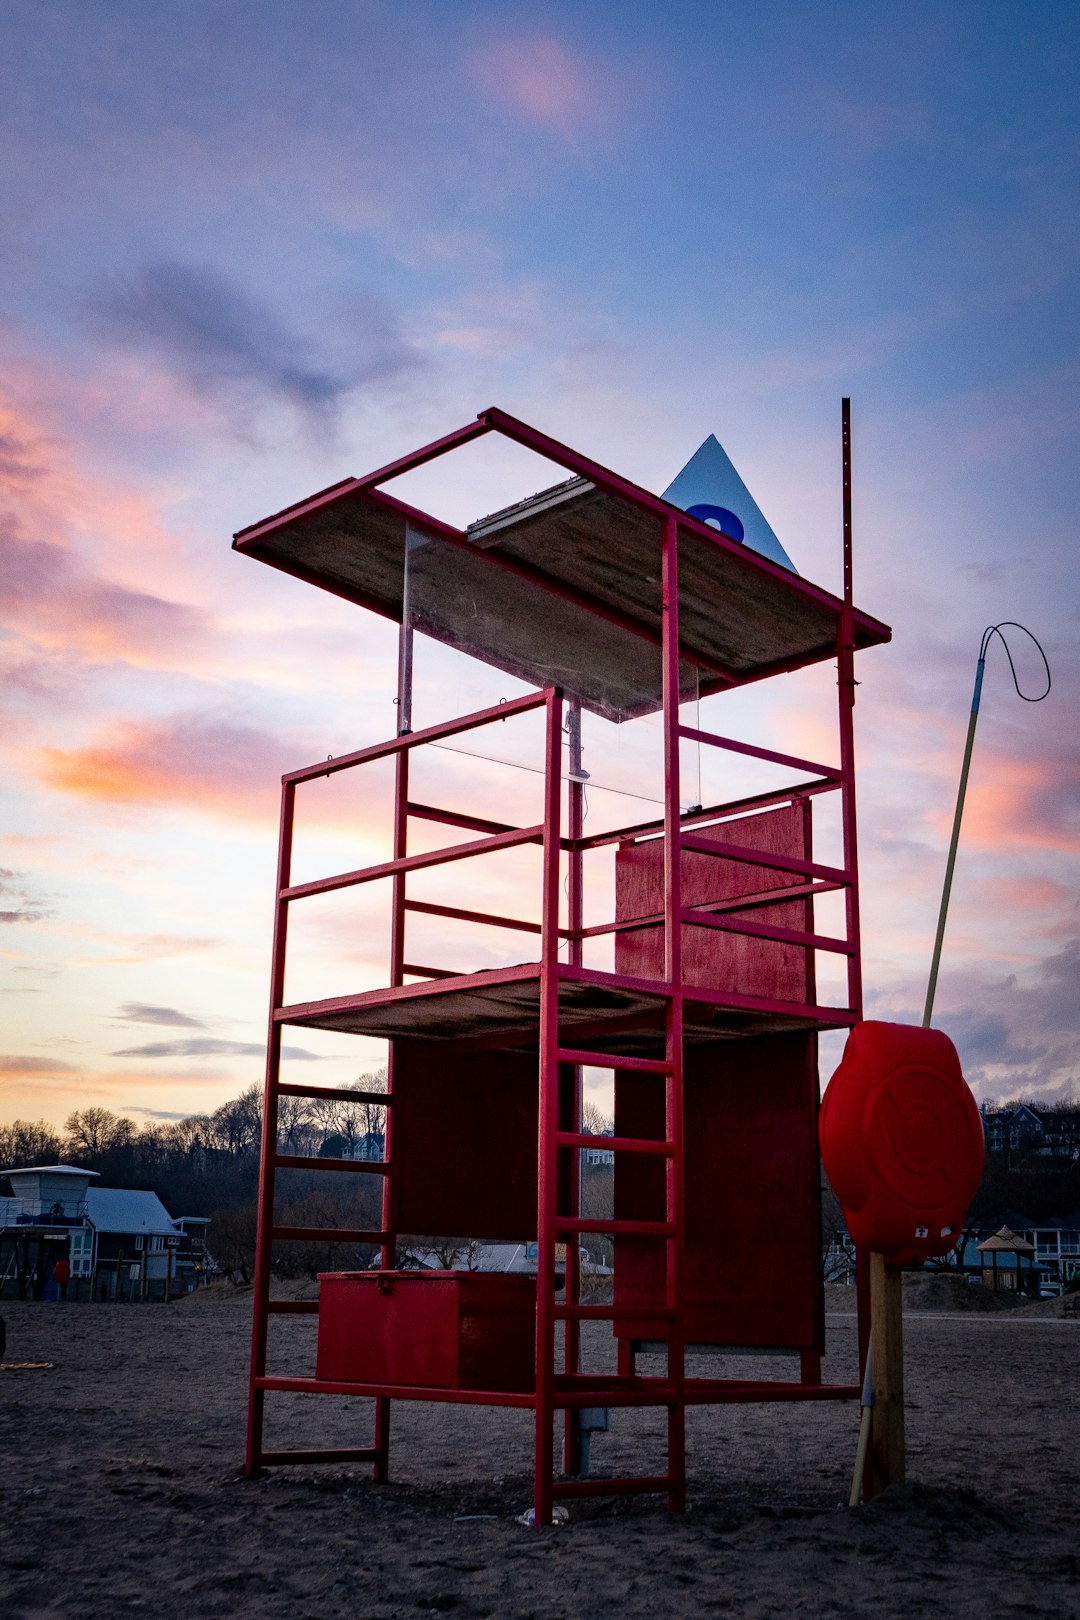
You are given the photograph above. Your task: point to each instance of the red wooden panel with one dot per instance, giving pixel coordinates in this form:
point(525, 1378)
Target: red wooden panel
point(437, 1329)
point(464, 1141)
point(753, 1262)
point(711, 959)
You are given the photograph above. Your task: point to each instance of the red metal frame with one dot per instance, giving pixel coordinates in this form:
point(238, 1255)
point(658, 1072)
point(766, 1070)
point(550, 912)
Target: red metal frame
point(567, 1389)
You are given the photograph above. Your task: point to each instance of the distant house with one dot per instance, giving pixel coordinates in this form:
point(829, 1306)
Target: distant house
point(45, 1221)
point(120, 1243)
point(135, 1239)
point(1024, 1130)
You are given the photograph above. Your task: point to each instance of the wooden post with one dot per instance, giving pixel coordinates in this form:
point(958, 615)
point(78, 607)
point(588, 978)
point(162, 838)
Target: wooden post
point(887, 1341)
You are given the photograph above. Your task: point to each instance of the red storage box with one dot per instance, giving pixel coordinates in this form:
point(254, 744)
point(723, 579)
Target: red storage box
point(437, 1329)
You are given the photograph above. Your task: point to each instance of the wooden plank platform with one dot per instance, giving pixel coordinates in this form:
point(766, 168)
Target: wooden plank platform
point(501, 1007)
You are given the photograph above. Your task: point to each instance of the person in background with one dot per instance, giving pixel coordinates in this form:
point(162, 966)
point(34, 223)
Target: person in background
point(62, 1274)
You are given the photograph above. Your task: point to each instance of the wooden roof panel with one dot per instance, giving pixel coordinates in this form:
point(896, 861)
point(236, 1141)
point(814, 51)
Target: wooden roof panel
point(562, 588)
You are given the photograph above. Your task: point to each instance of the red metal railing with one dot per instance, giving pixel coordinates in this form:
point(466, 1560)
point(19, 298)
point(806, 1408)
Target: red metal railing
point(569, 1389)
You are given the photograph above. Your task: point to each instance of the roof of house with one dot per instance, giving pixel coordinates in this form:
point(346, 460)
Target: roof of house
point(1006, 1241)
point(122, 1209)
point(48, 1170)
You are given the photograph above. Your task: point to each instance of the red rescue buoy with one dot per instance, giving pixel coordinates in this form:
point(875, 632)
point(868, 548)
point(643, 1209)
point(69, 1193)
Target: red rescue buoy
point(901, 1141)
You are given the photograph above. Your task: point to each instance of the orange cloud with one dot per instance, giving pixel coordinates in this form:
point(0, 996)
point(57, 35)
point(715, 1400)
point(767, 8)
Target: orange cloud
point(215, 765)
point(33, 1068)
point(185, 762)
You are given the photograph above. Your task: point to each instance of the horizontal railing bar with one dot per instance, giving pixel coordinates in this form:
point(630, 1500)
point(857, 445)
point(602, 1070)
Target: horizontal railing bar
point(644, 1484)
point(614, 1313)
point(303, 1161)
point(788, 936)
point(415, 863)
point(397, 1392)
point(614, 1144)
point(692, 734)
point(293, 1307)
point(456, 818)
point(416, 739)
point(325, 1234)
point(741, 902)
point(428, 908)
point(590, 1389)
point(278, 1459)
point(700, 818)
point(735, 1391)
point(608, 1060)
point(639, 1393)
point(335, 1094)
point(769, 1004)
point(575, 1223)
point(428, 972)
point(761, 857)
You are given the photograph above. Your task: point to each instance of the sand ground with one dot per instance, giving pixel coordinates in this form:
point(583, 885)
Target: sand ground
point(122, 1492)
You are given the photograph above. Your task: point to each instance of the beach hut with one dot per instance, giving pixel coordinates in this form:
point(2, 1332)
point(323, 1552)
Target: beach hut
point(1006, 1274)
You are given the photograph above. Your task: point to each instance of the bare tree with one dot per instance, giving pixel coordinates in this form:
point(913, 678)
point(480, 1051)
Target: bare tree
point(594, 1122)
point(230, 1239)
point(28, 1142)
point(93, 1132)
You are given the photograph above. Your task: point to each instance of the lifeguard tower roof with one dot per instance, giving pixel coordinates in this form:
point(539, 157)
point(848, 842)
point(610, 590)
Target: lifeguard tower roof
point(562, 588)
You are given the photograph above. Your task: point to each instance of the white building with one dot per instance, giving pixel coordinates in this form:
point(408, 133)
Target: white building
point(120, 1241)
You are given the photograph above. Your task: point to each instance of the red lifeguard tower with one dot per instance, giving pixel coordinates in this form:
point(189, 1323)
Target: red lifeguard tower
point(709, 1018)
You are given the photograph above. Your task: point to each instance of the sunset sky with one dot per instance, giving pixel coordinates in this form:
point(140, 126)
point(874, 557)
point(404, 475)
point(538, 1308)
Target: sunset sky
point(250, 249)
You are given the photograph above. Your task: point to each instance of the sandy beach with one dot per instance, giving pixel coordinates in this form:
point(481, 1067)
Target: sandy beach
point(122, 1490)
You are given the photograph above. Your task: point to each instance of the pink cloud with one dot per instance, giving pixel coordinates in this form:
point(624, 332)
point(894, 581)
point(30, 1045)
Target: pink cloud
point(1023, 803)
point(540, 79)
point(67, 541)
point(47, 595)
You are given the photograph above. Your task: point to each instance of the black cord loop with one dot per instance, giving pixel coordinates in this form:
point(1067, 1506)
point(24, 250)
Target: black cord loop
point(1011, 624)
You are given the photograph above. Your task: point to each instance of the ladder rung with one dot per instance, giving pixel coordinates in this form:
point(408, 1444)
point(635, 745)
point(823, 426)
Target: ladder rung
point(574, 1223)
point(300, 1161)
point(614, 1144)
point(761, 857)
point(608, 1060)
point(325, 1234)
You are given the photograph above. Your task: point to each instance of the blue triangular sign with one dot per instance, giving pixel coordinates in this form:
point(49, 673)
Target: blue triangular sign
point(709, 488)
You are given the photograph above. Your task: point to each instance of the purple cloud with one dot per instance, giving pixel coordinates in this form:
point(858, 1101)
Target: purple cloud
point(141, 1012)
point(209, 1047)
point(19, 903)
point(222, 342)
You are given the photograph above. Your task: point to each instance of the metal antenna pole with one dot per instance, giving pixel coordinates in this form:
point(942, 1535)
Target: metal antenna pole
point(980, 668)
